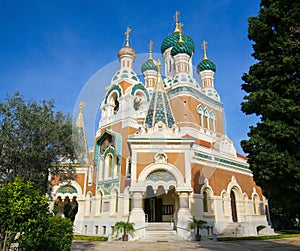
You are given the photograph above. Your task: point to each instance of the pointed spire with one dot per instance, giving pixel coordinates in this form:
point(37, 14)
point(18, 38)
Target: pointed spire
point(204, 49)
point(79, 121)
point(159, 109)
point(159, 84)
point(150, 49)
point(127, 32)
point(176, 17)
point(82, 149)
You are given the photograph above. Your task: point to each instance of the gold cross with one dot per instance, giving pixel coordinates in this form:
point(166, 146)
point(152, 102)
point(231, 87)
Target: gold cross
point(177, 13)
point(127, 35)
point(204, 49)
point(150, 48)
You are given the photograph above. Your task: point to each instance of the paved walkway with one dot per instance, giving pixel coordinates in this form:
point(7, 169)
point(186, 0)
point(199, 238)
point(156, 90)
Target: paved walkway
point(289, 244)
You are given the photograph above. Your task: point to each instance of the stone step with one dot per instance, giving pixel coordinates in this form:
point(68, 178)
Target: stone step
point(159, 226)
point(159, 237)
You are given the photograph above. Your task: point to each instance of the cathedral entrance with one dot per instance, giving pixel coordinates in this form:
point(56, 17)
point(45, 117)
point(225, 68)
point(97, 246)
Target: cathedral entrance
point(160, 205)
point(153, 209)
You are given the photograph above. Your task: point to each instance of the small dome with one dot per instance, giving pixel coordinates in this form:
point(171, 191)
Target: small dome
point(172, 40)
point(206, 64)
point(181, 48)
point(149, 65)
point(124, 51)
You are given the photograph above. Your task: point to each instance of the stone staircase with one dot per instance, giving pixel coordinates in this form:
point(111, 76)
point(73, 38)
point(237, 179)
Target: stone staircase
point(232, 229)
point(161, 232)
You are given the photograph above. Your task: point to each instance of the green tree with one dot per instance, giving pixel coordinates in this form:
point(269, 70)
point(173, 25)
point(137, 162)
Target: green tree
point(34, 140)
point(195, 224)
point(273, 93)
point(25, 219)
point(124, 228)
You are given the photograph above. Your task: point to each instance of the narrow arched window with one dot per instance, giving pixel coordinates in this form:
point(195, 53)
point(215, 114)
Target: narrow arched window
point(255, 204)
point(109, 165)
point(100, 202)
point(205, 202)
point(117, 203)
point(223, 202)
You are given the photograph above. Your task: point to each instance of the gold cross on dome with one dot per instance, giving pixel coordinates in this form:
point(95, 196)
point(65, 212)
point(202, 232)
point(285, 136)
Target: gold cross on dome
point(176, 20)
point(204, 48)
point(177, 13)
point(150, 48)
point(127, 35)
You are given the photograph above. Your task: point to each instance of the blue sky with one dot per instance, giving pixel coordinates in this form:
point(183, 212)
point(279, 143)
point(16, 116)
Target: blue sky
point(51, 49)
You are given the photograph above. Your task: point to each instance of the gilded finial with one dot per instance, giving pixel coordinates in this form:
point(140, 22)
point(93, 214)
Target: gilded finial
point(127, 36)
point(81, 105)
point(180, 33)
point(159, 82)
point(204, 49)
point(150, 49)
point(176, 16)
point(158, 65)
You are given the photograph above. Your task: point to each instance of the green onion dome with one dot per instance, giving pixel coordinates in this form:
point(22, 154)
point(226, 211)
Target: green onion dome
point(206, 64)
point(181, 48)
point(172, 40)
point(149, 65)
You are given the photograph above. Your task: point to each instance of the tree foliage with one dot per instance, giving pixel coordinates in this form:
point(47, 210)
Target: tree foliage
point(33, 140)
point(273, 93)
point(25, 220)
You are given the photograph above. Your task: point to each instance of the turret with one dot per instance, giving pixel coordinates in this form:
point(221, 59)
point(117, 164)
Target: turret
point(149, 70)
point(170, 42)
point(126, 54)
point(206, 70)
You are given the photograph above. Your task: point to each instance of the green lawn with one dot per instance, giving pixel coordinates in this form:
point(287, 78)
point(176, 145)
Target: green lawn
point(262, 237)
point(89, 238)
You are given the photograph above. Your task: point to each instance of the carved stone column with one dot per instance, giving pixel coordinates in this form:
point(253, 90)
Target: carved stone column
point(137, 214)
point(184, 216)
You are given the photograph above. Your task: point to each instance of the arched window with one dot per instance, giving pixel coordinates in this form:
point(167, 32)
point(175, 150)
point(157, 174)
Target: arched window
point(90, 176)
point(117, 202)
point(255, 204)
point(89, 203)
point(223, 202)
point(114, 202)
point(205, 201)
point(113, 100)
point(201, 113)
point(233, 206)
point(212, 117)
point(101, 169)
point(139, 100)
point(100, 202)
point(109, 165)
point(206, 120)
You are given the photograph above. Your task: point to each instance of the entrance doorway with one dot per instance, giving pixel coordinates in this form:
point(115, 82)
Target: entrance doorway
point(153, 209)
point(233, 206)
point(160, 206)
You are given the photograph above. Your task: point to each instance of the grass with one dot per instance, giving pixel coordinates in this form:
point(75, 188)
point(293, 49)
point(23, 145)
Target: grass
point(262, 237)
point(89, 238)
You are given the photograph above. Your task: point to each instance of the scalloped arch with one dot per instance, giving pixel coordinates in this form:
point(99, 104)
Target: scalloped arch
point(113, 88)
point(141, 87)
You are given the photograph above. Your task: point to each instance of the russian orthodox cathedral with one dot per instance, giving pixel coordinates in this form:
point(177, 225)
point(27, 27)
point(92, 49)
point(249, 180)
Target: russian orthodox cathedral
point(161, 156)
